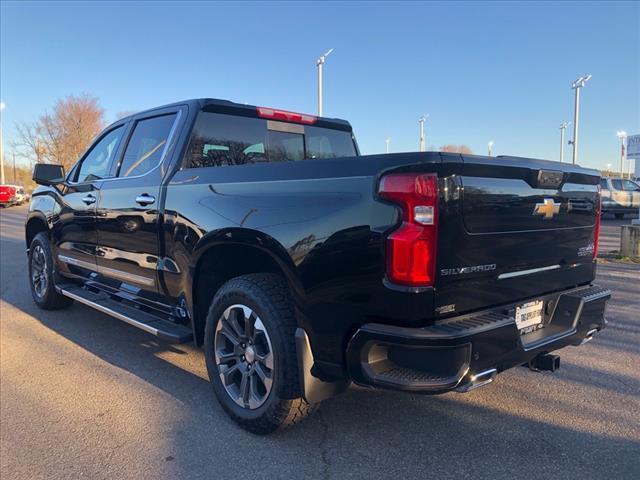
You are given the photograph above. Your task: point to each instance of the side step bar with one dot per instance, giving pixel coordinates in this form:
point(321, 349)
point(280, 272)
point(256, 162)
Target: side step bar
point(160, 327)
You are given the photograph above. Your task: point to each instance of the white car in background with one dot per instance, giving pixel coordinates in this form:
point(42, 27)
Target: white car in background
point(620, 196)
point(21, 195)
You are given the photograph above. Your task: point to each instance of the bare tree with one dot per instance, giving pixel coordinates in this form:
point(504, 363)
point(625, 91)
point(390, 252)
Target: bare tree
point(456, 149)
point(63, 135)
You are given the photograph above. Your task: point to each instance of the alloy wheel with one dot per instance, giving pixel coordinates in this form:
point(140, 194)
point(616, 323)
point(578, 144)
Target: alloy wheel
point(39, 271)
point(244, 356)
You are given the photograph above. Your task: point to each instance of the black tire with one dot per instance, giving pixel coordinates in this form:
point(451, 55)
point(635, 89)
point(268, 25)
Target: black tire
point(46, 298)
point(619, 216)
point(268, 296)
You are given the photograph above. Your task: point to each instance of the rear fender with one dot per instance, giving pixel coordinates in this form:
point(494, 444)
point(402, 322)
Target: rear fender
point(251, 239)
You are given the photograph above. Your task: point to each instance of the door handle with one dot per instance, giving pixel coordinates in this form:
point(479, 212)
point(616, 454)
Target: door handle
point(89, 199)
point(145, 199)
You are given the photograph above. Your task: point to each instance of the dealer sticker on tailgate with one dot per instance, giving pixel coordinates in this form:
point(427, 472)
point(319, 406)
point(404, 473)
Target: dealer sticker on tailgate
point(529, 316)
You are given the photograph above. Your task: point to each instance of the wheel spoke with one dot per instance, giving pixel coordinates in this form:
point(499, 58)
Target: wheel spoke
point(244, 388)
point(249, 325)
point(224, 358)
point(230, 334)
point(236, 322)
point(226, 374)
point(255, 399)
point(266, 359)
point(264, 377)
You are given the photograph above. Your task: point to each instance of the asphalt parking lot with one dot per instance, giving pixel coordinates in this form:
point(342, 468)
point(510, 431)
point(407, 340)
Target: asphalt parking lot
point(84, 395)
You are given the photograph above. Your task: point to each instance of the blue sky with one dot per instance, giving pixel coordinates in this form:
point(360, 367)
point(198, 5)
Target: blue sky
point(484, 71)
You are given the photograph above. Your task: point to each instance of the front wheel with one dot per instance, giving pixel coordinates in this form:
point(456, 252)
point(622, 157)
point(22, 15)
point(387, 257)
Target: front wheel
point(42, 275)
point(251, 354)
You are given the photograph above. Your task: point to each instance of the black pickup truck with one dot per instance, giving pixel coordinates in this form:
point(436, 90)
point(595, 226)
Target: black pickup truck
point(302, 266)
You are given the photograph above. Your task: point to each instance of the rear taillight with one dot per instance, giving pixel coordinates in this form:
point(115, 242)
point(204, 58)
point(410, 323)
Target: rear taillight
point(273, 114)
point(597, 230)
point(411, 249)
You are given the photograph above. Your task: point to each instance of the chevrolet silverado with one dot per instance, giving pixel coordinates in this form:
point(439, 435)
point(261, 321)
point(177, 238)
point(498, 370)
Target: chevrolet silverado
point(301, 266)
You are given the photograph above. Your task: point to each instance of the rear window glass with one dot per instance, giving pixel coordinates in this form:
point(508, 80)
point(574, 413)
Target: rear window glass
point(221, 140)
point(327, 143)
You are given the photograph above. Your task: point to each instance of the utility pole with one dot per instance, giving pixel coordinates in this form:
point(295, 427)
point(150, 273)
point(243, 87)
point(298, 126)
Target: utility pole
point(421, 121)
point(490, 147)
point(387, 141)
point(15, 180)
point(2, 105)
point(577, 86)
point(319, 64)
point(563, 126)
point(622, 135)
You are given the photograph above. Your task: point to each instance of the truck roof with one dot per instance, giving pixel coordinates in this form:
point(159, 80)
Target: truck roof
point(246, 110)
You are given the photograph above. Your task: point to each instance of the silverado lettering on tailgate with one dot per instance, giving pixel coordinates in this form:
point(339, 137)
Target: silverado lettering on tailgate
point(463, 270)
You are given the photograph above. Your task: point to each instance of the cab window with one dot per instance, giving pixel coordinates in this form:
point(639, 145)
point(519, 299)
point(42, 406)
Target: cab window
point(95, 164)
point(146, 146)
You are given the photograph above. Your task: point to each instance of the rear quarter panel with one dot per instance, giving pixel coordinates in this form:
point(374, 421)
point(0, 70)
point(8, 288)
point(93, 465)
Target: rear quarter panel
point(319, 220)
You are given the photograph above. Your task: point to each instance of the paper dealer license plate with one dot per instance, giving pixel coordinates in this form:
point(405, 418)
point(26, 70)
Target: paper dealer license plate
point(529, 316)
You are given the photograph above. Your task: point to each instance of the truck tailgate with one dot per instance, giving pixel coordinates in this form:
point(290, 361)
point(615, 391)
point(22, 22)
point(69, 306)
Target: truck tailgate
point(513, 228)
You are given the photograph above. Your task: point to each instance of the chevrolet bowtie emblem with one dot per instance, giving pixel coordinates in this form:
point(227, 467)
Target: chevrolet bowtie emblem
point(547, 209)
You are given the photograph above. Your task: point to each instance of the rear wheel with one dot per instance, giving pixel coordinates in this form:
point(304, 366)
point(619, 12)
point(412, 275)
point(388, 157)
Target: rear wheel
point(42, 275)
point(251, 354)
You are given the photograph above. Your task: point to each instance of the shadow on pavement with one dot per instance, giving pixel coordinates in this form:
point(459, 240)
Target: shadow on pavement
point(367, 430)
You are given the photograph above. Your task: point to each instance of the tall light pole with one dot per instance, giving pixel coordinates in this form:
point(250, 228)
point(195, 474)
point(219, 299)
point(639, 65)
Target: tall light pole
point(608, 169)
point(2, 105)
point(577, 85)
point(319, 64)
point(490, 147)
point(622, 135)
point(563, 127)
point(421, 121)
point(387, 142)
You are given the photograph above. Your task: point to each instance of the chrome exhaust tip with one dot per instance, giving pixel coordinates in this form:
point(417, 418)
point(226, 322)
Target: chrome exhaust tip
point(589, 336)
point(478, 380)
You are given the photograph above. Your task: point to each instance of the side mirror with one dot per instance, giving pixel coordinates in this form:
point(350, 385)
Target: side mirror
point(48, 174)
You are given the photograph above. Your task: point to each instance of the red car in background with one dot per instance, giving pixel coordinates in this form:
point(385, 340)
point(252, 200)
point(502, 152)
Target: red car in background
point(11, 195)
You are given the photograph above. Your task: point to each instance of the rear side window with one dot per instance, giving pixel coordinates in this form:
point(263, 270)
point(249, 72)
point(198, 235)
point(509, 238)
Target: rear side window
point(603, 183)
point(146, 146)
point(630, 186)
point(222, 140)
point(97, 162)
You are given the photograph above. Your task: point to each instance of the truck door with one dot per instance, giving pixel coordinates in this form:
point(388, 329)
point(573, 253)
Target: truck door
point(74, 237)
point(128, 252)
